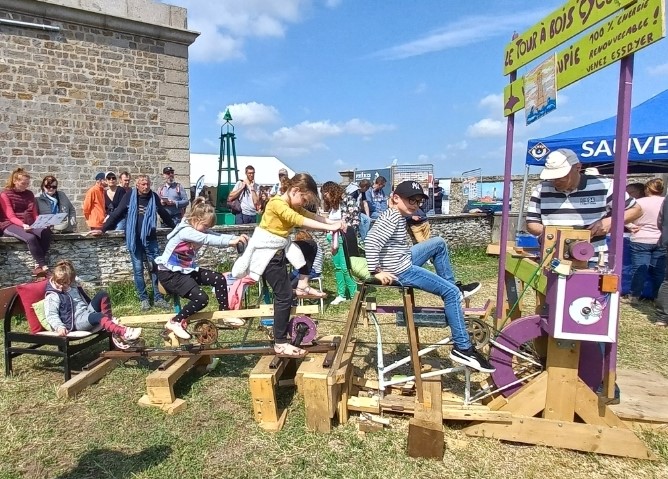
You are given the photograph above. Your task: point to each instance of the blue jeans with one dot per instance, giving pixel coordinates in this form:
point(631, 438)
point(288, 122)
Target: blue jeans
point(441, 284)
point(242, 219)
point(365, 225)
point(148, 252)
point(121, 225)
point(647, 261)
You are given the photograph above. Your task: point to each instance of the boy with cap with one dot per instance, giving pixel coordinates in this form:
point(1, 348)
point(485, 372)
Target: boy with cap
point(173, 196)
point(93, 206)
point(568, 198)
point(390, 259)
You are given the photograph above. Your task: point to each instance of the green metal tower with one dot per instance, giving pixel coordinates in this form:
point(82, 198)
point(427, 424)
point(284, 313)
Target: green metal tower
point(227, 162)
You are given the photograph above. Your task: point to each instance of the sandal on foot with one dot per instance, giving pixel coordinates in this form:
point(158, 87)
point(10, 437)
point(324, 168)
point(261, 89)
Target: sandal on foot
point(287, 350)
point(308, 291)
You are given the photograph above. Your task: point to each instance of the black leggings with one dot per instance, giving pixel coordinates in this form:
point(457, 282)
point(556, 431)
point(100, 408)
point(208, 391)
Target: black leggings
point(199, 299)
point(276, 276)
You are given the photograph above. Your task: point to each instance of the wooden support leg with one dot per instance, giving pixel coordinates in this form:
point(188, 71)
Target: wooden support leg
point(425, 430)
point(263, 381)
point(413, 342)
point(562, 370)
point(160, 385)
point(351, 322)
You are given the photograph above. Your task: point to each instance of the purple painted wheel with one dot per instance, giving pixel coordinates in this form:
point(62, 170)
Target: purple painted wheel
point(308, 322)
point(513, 336)
point(510, 368)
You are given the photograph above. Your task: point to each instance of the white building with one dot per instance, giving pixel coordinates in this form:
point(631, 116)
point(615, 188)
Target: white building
point(266, 168)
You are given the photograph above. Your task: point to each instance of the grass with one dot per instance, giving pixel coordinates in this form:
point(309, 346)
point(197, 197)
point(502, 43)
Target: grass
point(103, 433)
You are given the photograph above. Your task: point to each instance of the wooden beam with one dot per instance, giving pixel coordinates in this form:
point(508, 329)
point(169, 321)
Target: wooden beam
point(528, 401)
point(563, 357)
point(524, 270)
point(81, 381)
point(592, 410)
point(567, 435)
point(264, 310)
point(425, 431)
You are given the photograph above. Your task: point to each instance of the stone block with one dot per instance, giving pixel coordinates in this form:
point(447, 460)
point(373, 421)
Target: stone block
point(176, 142)
point(173, 90)
point(175, 116)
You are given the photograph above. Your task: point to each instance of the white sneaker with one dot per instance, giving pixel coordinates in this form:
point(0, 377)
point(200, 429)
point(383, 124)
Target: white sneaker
point(233, 322)
point(132, 334)
point(176, 328)
point(338, 300)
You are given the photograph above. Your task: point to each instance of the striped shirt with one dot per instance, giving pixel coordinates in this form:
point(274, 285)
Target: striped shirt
point(387, 244)
point(317, 262)
point(588, 203)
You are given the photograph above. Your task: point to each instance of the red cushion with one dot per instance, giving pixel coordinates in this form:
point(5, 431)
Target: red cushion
point(30, 293)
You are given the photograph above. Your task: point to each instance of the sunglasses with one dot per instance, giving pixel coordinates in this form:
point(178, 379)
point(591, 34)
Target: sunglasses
point(413, 201)
point(51, 187)
point(111, 178)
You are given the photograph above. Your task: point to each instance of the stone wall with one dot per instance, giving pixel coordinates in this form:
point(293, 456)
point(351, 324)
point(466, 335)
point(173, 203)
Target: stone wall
point(102, 260)
point(107, 91)
point(457, 200)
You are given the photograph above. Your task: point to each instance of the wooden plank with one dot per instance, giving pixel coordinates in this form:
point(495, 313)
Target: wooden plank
point(356, 403)
point(463, 413)
point(566, 435)
point(524, 269)
point(425, 439)
point(644, 396)
point(81, 381)
point(264, 310)
point(593, 411)
point(528, 401)
point(562, 373)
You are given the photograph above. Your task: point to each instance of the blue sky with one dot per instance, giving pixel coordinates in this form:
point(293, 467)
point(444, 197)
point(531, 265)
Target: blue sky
point(327, 85)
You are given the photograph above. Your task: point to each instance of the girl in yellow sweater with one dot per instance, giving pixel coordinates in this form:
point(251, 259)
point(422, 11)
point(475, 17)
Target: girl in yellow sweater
point(269, 249)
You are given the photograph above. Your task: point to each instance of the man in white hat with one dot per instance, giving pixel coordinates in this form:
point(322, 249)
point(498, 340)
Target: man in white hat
point(282, 173)
point(568, 198)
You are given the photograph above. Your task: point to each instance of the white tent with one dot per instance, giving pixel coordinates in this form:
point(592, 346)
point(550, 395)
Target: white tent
point(266, 168)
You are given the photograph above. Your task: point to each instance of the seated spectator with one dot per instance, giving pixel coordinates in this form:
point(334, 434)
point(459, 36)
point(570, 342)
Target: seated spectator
point(112, 198)
point(66, 310)
point(18, 211)
point(52, 201)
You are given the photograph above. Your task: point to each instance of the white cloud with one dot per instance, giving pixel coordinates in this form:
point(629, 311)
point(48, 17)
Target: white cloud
point(339, 162)
point(226, 25)
point(460, 145)
point(308, 136)
point(494, 102)
point(487, 127)
point(658, 70)
point(251, 114)
point(420, 88)
point(467, 31)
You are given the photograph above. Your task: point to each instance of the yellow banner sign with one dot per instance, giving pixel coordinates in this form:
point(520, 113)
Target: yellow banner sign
point(640, 25)
point(574, 17)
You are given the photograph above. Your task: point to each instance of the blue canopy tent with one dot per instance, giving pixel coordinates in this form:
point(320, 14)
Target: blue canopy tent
point(595, 143)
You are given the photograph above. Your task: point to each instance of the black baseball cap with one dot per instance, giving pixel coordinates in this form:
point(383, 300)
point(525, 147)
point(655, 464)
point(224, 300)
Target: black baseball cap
point(167, 169)
point(408, 189)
